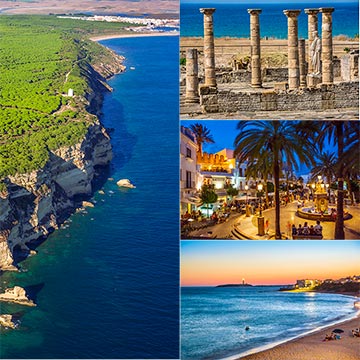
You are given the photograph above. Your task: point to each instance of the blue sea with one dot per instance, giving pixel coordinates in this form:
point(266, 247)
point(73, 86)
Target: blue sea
point(233, 20)
point(106, 284)
point(213, 320)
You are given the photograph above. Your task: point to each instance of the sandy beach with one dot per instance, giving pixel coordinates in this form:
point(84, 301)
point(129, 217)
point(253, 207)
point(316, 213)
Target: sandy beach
point(312, 346)
point(116, 36)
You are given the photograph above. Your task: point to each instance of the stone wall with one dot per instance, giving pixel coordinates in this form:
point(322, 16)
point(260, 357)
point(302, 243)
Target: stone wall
point(343, 95)
point(244, 76)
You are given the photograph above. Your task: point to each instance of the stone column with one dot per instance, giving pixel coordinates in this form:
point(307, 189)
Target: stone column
point(312, 26)
point(255, 47)
point(192, 77)
point(209, 47)
point(293, 53)
point(326, 46)
point(302, 63)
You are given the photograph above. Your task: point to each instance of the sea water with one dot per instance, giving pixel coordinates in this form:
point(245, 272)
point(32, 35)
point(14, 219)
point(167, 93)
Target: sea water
point(233, 20)
point(106, 284)
point(214, 319)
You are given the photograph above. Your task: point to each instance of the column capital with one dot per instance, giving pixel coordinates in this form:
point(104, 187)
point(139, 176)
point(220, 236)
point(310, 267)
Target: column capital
point(254, 11)
point(292, 13)
point(207, 11)
point(312, 11)
point(327, 10)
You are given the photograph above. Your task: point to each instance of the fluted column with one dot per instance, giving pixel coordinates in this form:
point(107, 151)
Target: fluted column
point(192, 76)
point(302, 63)
point(255, 47)
point(209, 47)
point(293, 53)
point(326, 45)
point(312, 26)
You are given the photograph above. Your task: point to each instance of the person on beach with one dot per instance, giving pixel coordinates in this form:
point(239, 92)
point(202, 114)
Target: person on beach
point(294, 230)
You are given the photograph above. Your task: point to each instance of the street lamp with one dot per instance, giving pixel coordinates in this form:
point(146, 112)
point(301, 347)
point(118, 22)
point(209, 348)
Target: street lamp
point(327, 190)
point(261, 224)
point(313, 188)
point(260, 187)
point(247, 210)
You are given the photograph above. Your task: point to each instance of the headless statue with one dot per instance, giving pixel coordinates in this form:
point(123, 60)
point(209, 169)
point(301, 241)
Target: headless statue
point(315, 49)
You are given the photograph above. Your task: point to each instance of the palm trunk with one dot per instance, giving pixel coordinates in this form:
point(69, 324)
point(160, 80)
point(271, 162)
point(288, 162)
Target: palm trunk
point(266, 196)
point(339, 224)
point(277, 195)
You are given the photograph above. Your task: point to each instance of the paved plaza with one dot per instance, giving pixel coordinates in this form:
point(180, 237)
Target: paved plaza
point(240, 226)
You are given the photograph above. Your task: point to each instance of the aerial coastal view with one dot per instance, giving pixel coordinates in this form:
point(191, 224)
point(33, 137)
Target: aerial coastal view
point(265, 300)
point(269, 60)
point(78, 278)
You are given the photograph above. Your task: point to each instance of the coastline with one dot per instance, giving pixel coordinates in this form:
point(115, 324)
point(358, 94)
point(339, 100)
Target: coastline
point(118, 36)
point(310, 346)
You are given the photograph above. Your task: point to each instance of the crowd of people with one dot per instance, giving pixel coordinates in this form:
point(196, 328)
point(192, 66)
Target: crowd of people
point(307, 230)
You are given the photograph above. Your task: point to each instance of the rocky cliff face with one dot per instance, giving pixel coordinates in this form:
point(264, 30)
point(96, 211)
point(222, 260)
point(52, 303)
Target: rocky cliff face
point(36, 203)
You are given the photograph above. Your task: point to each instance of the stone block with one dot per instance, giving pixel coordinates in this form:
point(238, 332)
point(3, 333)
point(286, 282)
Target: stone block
point(281, 86)
point(207, 90)
point(313, 80)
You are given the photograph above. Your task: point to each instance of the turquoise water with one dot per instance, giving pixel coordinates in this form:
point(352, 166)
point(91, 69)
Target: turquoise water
point(213, 320)
point(233, 20)
point(106, 285)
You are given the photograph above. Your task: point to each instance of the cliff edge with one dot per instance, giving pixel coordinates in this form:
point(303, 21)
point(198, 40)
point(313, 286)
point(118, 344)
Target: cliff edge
point(34, 204)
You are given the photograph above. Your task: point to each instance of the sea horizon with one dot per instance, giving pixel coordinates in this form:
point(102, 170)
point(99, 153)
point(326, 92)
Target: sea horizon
point(233, 21)
point(207, 311)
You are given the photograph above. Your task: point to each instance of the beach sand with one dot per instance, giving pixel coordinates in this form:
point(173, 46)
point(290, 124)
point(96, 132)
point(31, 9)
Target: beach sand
point(311, 347)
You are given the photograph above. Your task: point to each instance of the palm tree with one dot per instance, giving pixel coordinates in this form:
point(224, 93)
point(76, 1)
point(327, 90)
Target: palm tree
point(281, 141)
point(202, 135)
point(262, 168)
point(325, 165)
point(345, 135)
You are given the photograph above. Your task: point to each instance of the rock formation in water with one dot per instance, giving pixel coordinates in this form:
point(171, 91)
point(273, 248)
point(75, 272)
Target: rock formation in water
point(36, 203)
point(16, 295)
point(6, 320)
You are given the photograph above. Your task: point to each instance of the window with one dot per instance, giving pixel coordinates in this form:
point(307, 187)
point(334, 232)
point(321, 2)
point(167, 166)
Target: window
point(188, 179)
point(188, 152)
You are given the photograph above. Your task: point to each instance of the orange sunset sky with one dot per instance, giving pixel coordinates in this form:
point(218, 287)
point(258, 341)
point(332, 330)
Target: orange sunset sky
point(264, 263)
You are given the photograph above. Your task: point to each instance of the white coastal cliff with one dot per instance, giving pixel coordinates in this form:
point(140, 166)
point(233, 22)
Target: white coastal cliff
point(37, 203)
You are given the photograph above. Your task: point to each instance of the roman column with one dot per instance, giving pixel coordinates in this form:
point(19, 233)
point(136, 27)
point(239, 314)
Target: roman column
point(255, 47)
point(302, 63)
point(209, 48)
point(326, 45)
point(293, 53)
point(312, 26)
point(192, 77)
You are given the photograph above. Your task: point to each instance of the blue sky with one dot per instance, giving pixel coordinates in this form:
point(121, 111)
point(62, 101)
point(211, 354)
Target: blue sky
point(224, 133)
point(219, 262)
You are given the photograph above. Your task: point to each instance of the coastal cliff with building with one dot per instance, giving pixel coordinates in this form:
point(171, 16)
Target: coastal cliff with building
point(35, 203)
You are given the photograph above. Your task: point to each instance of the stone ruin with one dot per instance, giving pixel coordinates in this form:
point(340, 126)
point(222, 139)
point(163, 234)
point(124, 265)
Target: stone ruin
point(309, 77)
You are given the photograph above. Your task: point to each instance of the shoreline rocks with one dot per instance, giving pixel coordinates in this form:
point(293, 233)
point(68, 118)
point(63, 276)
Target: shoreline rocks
point(16, 295)
point(6, 320)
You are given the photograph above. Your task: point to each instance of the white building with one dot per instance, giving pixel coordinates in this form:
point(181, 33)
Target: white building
point(188, 171)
